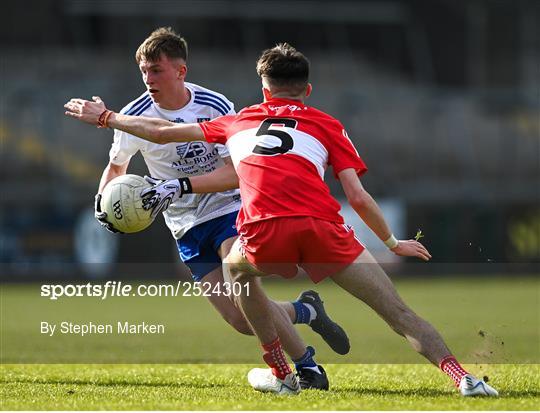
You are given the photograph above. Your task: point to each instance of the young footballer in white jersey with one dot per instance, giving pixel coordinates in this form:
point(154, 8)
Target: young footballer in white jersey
point(280, 149)
point(202, 224)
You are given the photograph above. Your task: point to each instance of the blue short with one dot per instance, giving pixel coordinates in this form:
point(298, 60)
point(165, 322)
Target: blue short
point(199, 246)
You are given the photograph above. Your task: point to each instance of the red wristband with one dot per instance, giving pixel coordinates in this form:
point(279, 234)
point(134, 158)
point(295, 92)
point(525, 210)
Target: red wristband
point(104, 118)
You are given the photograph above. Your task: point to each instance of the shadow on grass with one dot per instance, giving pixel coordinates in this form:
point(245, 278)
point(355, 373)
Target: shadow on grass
point(520, 394)
point(115, 383)
point(346, 391)
point(425, 392)
point(422, 392)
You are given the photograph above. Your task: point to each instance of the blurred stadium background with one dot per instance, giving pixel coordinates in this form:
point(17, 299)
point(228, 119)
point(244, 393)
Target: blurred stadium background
point(441, 98)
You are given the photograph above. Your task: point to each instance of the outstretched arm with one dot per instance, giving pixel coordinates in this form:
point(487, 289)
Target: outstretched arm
point(366, 207)
point(221, 179)
point(152, 129)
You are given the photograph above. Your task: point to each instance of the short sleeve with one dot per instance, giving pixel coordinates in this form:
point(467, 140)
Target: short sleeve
point(123, 148)
point(223, 151)
point(342, 154)
point(231, 110)
point(215, 131)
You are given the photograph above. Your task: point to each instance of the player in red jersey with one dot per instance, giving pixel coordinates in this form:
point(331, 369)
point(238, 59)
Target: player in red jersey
point(280, 150)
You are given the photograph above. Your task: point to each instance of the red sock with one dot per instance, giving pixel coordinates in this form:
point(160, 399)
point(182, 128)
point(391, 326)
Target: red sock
point(275, 358)
point(450, 366)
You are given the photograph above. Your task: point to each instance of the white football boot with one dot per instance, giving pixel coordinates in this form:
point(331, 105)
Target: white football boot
point(471, 386)
point(263, 380)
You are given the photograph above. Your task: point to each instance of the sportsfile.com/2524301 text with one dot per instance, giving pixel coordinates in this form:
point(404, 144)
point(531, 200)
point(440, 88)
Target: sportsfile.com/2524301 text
point(121, 289)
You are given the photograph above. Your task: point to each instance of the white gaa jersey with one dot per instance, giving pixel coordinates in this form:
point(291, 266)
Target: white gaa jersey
point(177, 160)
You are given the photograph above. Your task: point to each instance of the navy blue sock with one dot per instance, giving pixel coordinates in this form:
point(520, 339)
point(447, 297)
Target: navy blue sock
point(306, 360)
point(302, 313)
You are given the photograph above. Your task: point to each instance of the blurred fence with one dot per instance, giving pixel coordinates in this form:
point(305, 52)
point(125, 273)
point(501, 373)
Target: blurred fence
point(457, 147)
point(465, 172)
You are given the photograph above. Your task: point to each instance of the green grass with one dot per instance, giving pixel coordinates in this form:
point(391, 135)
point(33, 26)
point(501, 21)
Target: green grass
point(491, 323)
point(224, 387)
point(506, 311)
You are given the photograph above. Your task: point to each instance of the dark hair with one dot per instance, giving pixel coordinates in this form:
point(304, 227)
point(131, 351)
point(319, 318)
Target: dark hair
point(284, 68)
point(163, 40)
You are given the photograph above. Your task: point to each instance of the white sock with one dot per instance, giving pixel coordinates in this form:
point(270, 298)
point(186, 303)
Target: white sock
point(312, 313)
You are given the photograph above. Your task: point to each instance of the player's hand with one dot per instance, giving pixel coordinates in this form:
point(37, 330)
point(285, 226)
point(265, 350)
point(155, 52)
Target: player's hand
point(101, 216)
point(163, 193)
point(85, 110)
point(411, 248)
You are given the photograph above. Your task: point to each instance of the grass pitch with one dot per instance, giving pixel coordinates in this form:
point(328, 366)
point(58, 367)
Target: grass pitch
point(224, 387)
point(491, 324)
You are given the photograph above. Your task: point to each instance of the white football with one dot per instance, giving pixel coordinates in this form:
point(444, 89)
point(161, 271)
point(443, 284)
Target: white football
point(121, 200)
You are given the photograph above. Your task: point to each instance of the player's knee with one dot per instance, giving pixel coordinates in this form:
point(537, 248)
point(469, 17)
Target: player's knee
point(235, 271)
point(239, 275)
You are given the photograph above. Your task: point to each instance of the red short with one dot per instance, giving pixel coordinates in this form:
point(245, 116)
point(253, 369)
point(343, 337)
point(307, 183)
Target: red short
point(279, 245)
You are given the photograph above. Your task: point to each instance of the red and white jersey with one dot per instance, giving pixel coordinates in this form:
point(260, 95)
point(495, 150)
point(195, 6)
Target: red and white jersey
point(280, 150)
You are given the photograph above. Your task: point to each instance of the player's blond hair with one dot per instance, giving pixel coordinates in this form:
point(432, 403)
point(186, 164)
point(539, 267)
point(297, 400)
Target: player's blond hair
point(284, 68)
point(163, 40)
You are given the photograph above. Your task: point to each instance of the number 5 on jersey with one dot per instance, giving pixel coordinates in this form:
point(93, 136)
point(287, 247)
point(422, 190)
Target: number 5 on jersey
point(286, 141)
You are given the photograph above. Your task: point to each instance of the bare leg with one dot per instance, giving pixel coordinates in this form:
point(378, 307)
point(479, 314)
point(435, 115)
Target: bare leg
point(285, 308)
point(223, 304)
point(232, 314)
point(267, 319)
point(366, 280)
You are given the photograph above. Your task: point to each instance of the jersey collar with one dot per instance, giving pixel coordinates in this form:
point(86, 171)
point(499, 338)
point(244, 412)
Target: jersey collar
point(284, 101)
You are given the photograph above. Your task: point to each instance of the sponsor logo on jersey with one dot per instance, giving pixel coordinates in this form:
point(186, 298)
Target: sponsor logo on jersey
point(199, 120)
point(195, 157)
point(177, 120)
point(191, 149)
